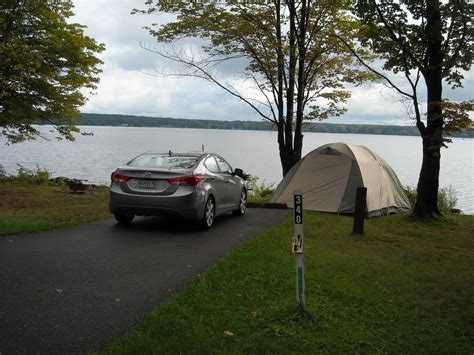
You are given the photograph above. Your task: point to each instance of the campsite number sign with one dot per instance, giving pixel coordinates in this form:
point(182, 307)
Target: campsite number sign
point(297, 246)
point(298, 209)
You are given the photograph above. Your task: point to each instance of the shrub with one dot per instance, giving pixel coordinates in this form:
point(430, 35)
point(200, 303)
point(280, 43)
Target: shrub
point(410, 191)
point(3, 173)
point(39, 176)
point(447, 198)
point(261, 190)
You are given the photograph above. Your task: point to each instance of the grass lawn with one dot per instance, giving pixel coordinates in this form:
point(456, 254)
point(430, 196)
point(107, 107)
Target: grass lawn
point(403, 287)
point(27, 208)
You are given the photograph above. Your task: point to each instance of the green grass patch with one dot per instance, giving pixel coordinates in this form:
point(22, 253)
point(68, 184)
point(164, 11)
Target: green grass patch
point(27, 207)
point(258, 199)
point(403, 287)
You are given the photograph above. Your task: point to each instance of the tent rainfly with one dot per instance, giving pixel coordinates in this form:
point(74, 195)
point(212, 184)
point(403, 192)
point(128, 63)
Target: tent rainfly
point(330, 175)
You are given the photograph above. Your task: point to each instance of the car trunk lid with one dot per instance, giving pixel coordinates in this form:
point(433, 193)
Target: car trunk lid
point(151, 181)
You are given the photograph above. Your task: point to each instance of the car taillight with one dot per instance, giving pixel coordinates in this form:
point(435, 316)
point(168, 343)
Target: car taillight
point(186, 180)
point(116, 177)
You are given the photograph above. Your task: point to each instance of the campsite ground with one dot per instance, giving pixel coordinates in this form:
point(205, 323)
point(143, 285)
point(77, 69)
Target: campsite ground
point(405, 286)
point(27, 207)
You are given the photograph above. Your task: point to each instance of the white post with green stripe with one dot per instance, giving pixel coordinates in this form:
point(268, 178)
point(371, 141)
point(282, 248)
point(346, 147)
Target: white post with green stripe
point(297, 246)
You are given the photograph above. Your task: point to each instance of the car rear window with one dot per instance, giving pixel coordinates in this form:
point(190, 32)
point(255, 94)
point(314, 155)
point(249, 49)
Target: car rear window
point(164, 161)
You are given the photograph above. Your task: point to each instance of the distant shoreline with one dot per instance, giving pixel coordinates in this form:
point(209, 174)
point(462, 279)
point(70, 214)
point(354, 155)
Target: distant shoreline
point(94, 119)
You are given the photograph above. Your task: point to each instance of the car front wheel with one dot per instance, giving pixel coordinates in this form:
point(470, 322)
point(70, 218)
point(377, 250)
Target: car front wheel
point(242, 204)
point(124, 217)
point(209, 213)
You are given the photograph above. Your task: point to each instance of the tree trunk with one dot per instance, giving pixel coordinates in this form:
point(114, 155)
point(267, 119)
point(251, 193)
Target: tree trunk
point(302, 25)
point(280, 98)
point(287, 155)
point(427, 190)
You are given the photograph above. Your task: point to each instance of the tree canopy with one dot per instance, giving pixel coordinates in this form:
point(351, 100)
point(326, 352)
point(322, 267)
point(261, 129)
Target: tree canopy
point(295, 65)
point(44, 63)
point(425, 41)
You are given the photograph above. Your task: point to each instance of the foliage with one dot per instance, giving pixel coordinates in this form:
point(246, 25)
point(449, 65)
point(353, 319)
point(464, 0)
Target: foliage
point(262, 190)
point(410, 192)
point(430, 41)
point(295, 66)
point(39, 176)
point(3, 173)
point(405, 46)
point(94, 119)
point(456, 117)
point(401, 288)
point(45, 61)
point(447, 198)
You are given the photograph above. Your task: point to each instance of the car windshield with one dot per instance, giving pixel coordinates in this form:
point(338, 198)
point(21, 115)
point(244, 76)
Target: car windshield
point(164, 161)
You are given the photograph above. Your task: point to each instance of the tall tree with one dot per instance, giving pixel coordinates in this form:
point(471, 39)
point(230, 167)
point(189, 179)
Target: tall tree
point(430, 41)
point(293, 60)
point(44, 62)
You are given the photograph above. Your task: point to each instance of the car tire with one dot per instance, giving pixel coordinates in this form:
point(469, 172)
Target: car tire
point(124, 218)
point(209, 213)
point(242, 204)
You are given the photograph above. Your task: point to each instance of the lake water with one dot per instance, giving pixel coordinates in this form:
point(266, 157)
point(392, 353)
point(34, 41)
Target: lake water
point(94, 157)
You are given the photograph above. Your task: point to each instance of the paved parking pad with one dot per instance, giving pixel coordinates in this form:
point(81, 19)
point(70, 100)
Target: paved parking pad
point(75, 290)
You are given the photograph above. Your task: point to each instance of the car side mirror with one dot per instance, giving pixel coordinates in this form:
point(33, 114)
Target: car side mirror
point(240, 173)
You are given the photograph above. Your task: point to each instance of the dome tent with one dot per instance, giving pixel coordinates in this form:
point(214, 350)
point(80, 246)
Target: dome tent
point(330, 175)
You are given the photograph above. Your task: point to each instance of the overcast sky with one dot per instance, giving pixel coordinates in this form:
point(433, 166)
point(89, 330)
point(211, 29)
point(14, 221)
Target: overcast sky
point(125, 87)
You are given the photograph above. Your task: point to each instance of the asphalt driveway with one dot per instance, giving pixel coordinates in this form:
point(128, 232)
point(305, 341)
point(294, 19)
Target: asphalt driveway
point(77, 289)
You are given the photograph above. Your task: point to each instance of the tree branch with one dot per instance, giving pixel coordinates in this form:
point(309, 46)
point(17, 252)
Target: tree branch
point(361, 61)
point(202, 73)
point(396, 39)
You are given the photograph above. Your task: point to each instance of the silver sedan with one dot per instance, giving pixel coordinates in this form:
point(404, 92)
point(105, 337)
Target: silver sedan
point(197, 186)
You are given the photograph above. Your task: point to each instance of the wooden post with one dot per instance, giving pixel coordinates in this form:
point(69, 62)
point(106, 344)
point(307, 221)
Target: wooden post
point(359, 212)
point(297, 246)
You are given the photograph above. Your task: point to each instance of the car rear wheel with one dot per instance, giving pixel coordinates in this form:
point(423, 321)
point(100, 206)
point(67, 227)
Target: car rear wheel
point(124, 217)
point(242, 204)
point(209, 213)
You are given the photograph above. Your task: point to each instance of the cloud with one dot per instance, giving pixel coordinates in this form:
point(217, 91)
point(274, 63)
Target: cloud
point(126, 89)
point(132, 92)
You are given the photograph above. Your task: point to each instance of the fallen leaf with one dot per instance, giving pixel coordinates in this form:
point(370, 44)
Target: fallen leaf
point(228, 334)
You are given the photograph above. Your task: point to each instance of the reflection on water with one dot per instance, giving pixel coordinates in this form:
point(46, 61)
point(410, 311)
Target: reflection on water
point(95, 157)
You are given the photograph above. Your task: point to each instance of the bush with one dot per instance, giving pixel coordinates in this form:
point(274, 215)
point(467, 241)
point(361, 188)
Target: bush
point(447, 198)
point(39, 176)
point(3, 173)
point(261, 190)
point(410, 191)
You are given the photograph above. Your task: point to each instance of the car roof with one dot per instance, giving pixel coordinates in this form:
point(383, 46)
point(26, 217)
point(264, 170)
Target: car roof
point(177, 154)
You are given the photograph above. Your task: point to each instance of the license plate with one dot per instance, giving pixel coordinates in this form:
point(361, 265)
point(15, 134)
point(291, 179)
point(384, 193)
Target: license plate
point(146, 184)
